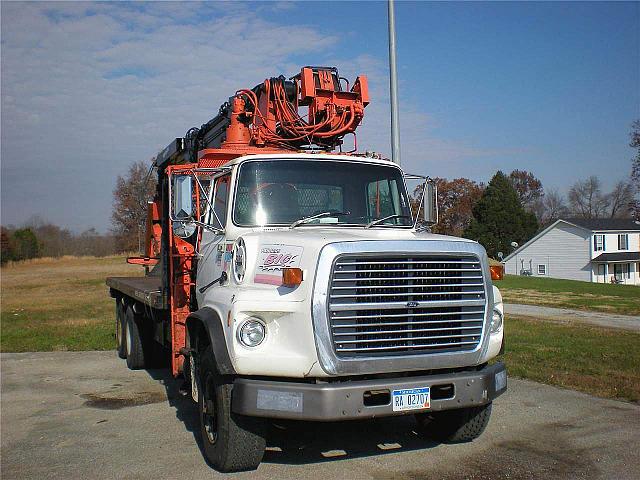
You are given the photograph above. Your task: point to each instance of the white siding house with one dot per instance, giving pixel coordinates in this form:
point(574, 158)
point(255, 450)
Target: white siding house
point(591, 250)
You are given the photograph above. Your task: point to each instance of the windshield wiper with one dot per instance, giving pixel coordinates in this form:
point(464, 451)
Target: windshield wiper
point(304, 220)
point(380, 220)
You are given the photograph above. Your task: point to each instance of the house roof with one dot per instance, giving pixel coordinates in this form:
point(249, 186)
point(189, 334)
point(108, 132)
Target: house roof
point(617, 257)
point(605, 224)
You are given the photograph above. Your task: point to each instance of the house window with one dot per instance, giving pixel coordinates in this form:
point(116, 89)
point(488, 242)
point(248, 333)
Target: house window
point(622, 271)
point(542, 269)
point(598, 243)
point(623, 241)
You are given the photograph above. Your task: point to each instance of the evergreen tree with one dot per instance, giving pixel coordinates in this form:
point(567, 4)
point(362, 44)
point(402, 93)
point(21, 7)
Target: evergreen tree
point(499, 218)
point(25, 244)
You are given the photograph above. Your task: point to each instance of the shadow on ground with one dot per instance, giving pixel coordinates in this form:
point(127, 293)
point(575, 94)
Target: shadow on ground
point(295, 442)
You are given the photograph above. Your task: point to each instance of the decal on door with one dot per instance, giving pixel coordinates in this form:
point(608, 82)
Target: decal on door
point(272, 259)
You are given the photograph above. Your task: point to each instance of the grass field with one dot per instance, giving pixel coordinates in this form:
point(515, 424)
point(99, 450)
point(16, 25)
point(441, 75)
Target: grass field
point(623, 299)
point(59, 304)
point(603, 362)
point(64, 304)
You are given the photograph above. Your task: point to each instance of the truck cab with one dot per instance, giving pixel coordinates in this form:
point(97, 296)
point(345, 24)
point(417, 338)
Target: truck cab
point(308, 285)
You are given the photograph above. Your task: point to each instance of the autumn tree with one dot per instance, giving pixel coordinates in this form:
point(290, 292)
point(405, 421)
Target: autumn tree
point(130, 198)
point(499, 218)
point(528, 188)
point(456, 199)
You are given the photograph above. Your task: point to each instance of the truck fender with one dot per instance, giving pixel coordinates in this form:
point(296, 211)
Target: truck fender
point(210, 321)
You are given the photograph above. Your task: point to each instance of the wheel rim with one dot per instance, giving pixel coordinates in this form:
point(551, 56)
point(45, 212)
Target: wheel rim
point(128, 338)
point(208, 410)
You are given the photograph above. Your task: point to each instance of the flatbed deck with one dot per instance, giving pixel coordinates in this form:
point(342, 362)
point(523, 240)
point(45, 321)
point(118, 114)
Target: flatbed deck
point(147, 290)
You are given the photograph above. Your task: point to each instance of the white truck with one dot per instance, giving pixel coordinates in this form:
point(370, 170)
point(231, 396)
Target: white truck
point(289, 285)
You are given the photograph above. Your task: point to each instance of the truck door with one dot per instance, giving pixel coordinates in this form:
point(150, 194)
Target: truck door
point(213, 249)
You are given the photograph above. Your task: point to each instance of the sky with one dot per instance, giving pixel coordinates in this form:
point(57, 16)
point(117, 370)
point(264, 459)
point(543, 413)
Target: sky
point(89, 88)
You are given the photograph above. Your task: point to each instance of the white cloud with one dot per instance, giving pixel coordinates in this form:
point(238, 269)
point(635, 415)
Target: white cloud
point(88, 88)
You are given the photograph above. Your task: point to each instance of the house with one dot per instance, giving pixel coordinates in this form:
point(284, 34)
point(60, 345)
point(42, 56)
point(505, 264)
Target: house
point(602, 250)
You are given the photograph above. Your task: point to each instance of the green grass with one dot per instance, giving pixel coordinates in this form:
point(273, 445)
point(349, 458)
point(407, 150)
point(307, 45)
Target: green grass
point(552, 292)
point(593, 360)
point(59, 304)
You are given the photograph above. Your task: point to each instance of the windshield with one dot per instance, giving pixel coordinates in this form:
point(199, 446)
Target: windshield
point(280, 192)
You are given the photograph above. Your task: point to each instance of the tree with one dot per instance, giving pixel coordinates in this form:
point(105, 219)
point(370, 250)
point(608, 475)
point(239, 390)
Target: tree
point(635, 169)
point(528, 188)
point(456, 199)
point(553, 207)
point(7, 250)
point(586, 199)
point(130, 199)
point(620, 200)
point(500, 219)
point(24, 244)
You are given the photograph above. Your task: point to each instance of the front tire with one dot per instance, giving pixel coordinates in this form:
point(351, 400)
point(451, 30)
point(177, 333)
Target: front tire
point(230, 442)
point(454, 426)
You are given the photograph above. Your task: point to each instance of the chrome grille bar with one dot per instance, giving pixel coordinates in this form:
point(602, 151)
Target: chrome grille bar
point(390, 304)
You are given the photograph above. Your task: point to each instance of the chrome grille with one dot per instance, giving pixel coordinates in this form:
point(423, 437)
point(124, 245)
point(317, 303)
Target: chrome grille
point(399, 304)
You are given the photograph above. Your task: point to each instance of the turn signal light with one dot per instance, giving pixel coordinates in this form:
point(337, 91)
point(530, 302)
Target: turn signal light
point(497, 272)
point(291, 277)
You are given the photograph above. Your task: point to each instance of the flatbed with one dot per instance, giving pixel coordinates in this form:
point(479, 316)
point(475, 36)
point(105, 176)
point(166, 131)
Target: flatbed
point(147, 289)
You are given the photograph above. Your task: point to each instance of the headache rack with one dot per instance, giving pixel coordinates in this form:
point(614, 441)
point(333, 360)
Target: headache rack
point(391, 304)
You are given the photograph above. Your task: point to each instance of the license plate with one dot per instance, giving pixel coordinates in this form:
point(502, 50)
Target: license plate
point(411, 399)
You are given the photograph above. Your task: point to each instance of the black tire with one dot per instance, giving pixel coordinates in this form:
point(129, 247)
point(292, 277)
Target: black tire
point(120, 326)
point(454, 426)
point(230, 442)
point(133, 340)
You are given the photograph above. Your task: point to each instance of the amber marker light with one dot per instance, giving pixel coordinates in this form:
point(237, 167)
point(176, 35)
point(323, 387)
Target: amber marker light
point(497, 272)
point(291, 277)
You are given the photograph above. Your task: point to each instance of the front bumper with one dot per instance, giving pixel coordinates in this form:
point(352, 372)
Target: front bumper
point(346, 400)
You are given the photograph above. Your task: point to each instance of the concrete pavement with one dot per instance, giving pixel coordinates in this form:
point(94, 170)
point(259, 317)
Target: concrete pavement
point(83, 415)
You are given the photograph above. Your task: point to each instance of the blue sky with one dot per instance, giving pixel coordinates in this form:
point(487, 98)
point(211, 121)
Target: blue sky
point(89, 88)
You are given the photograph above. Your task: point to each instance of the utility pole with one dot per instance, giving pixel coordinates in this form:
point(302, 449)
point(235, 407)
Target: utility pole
point(393, 85)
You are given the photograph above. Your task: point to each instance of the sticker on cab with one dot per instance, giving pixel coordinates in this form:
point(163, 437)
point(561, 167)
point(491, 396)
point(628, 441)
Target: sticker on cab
point(272, 259)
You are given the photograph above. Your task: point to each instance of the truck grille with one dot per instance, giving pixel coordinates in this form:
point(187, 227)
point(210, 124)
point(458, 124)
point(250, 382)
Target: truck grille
point(404, 305)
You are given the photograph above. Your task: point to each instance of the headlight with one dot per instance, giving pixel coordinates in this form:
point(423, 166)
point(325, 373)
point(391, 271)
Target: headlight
point(251, 333)
point(239, 260)
point(496, 321)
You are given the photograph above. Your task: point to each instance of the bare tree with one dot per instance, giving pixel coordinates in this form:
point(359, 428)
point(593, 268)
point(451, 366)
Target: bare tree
point(620, 200)
point(130, 199)
point(586, 199)
point(553, 207)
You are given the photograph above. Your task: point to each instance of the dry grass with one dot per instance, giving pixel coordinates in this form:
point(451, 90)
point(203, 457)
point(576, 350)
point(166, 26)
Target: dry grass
point(59, 303)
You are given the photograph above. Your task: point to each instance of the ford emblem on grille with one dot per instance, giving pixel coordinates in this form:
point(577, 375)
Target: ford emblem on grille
point(412, 304)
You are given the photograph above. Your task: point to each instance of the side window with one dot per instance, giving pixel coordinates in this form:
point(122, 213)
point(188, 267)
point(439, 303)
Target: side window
point(221, 201)
point(542, 269)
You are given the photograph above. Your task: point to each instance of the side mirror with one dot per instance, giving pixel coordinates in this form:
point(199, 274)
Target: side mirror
point(182, 206)
point(429, 208)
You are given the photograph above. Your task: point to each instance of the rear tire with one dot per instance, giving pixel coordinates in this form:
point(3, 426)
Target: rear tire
point(454, 426)
point(120, 329)
point(230, 442)
point(133, 341)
